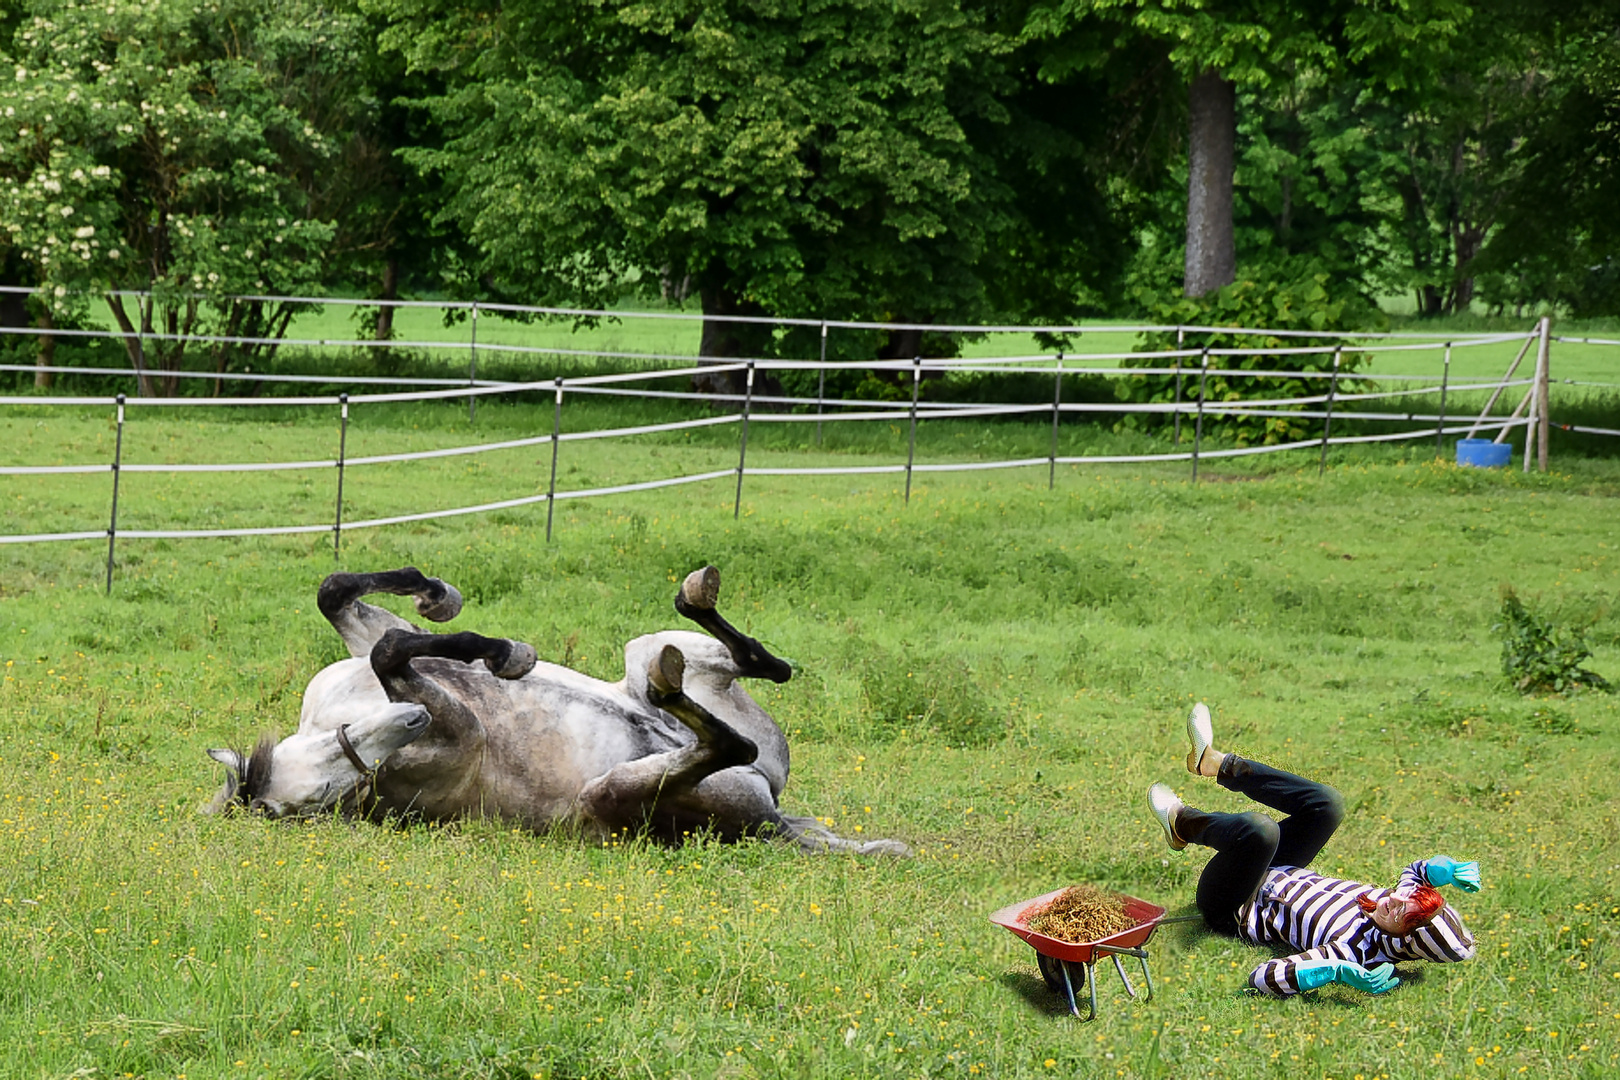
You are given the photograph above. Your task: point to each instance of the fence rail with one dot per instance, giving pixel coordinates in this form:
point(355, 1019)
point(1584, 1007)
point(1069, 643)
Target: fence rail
point(1332, 393)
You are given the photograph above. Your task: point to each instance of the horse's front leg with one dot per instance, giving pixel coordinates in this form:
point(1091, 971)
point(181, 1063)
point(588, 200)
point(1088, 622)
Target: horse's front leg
point(455, 717)
point(362, 625)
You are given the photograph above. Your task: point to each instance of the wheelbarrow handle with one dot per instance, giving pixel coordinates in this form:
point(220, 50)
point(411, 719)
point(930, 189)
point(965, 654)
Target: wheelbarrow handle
point(1140, 953)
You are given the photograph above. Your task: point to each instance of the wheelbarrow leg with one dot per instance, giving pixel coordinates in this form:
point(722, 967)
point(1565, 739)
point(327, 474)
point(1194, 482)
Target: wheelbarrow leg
point(1130, 991)
point(1147, 978)
point(1068, 988)
point(1091, 981)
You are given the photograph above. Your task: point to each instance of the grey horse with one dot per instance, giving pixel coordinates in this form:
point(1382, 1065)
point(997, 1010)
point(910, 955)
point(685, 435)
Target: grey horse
point(438, 727)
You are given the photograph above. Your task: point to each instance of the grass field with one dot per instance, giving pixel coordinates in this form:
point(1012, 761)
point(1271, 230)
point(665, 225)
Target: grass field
point(993, 673)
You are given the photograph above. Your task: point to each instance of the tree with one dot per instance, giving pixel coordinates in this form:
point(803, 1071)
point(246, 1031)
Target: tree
point(168, 148)
point(1221, 46)
point(1559, 239)
point(841, 159)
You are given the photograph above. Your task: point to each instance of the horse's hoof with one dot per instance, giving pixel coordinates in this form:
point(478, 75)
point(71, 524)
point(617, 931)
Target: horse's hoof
point(668, 669)
point(896, 848)
point(701, 589)
point(520, 660)
point(443, 609)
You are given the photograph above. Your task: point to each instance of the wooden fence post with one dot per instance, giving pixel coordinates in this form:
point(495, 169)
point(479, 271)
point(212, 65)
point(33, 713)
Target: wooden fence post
point(1544, 390)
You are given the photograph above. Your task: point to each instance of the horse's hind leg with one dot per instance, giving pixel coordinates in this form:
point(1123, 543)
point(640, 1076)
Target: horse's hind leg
point(681, 789)
point(699, 594)
point(363, 625)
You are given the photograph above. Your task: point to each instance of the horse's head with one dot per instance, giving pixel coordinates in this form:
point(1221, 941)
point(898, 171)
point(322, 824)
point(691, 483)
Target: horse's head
point(310, 772)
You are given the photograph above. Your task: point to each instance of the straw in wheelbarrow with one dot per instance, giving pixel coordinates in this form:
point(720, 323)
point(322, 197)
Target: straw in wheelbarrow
point(1081, 913)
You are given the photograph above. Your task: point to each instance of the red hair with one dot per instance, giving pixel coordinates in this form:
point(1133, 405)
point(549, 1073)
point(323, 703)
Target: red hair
point(1422, 903)
point(1421, 909)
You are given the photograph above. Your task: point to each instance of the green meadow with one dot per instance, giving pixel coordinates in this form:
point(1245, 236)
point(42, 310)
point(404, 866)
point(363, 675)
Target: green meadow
point(993, 670)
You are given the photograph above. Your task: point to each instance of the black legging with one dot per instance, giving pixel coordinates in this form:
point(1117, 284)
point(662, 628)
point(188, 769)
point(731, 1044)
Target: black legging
point(1247, 845)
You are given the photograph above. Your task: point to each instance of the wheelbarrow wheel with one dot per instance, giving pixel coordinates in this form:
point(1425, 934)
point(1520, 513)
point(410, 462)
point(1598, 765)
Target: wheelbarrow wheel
point(1052, 972)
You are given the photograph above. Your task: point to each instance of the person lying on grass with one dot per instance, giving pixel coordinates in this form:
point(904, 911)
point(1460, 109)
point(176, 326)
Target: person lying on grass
point(1257, 888)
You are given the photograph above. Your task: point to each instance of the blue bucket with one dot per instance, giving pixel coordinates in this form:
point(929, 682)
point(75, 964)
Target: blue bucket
point(1483, 454)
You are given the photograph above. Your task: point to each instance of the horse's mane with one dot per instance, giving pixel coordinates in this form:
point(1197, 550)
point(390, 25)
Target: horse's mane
point(256, 777)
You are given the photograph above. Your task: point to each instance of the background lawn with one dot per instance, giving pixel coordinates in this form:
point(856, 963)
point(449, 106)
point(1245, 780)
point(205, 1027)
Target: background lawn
point(993, 673)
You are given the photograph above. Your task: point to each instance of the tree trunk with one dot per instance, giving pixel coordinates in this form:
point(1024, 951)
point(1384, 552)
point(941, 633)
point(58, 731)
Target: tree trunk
point(133, 344)
point(390, 291)
point(721, 340)
point(43, 376)
point(1212, 137)
point(1466, 243)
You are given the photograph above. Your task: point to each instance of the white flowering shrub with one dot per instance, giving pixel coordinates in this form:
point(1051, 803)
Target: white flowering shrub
point(171, 146)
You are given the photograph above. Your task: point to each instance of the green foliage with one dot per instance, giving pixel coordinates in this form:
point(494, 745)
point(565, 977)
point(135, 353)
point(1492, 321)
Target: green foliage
point(1306, 303)
point(854, 159)
point(1538, 657)
point(1559, 239)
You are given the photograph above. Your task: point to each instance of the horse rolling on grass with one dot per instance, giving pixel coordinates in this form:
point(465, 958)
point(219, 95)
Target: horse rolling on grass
point(436, 727)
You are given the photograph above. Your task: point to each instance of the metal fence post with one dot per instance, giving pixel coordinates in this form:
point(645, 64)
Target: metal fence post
point(1198, 425)
point(821, 382)
point(911, 446)
point(1440, 428)
point(556, 432)
point(742, 448)
point(472, 366)
point(1057, 404)
point(1327, 422)
point(1175, 411)
point(343, 442)
point(112, 522)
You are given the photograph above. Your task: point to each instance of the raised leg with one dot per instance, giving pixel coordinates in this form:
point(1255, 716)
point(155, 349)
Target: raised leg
point(699, 594)
point(1314, 809)
point(706, 784)
point(1247, 845)
point(454, 712)
point(362, 625)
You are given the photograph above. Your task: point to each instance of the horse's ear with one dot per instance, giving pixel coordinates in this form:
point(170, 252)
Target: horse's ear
point(234, 762)
point(235, 768)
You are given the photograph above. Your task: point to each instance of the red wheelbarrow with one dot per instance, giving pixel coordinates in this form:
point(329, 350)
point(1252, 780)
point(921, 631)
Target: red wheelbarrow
point(1064, 963)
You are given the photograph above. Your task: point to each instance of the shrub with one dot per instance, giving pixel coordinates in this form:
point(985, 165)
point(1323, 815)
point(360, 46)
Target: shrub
point(1539, 657)
point(1306, 303)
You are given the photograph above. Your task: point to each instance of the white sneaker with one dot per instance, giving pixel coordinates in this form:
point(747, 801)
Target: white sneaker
point(1166, 806)
point(1201, 734)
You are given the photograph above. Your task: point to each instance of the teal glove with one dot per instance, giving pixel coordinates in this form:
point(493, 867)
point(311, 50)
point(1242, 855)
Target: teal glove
point(1314, 973)
point(1444, 870)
